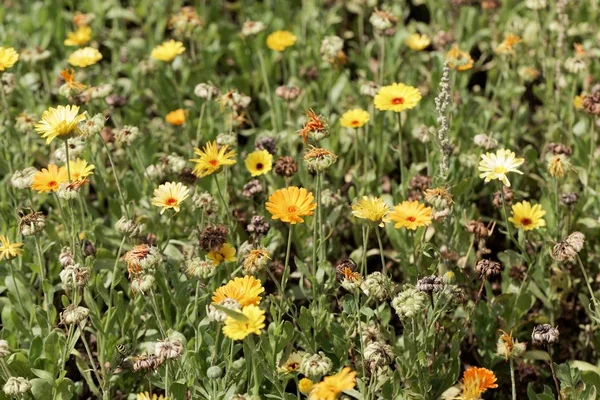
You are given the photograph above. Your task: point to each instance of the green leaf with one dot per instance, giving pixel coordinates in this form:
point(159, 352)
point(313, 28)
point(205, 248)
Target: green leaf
point(238, 316)
point(40, 388)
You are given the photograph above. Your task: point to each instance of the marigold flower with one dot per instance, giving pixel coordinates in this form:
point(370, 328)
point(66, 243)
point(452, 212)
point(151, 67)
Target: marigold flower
point(80, 37)
point(371, 208)
point(80, 169)
point(354, 118)
point(246, 291)
point(319, 159)
point(49, 180)
point(496, 166)
point(314, 126)
point(557, 166)
point(212, 158)
point(507, 46)
point(458, 59)
point(397, 97)
point(9, 250)
point(170, 195)
point(85, 57)
point(259, 162)
point(332, 386)
point(254, 322)
point(176, 117)
point(291, 204)
point(71, 85)
point(280, 40)
point(8, 57)
point(417, 41)
point(224, 253)
point(475, 381)
point(147, 396)
point(305, 386)
point(578, 102)
point(411, 215)
point(527, 217)
point(167, 51)
point(61, 122)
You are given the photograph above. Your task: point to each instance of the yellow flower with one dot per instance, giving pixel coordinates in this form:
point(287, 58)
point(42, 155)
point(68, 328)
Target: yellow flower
point(170, 195)
point(578, 102)
point(256, 258)
point(280, 40)
point(259, 162)
point(49, 180)
point(292, 364)
point(235, 329)
point(411, 215)
point(9, 250)
point(246, 291)
point(80, 169)
point(61, 122)
point(332, 386)
point(225, 253)
point(354, 118)
point(291, 204)
point(371, 208)
point(418, 42)
point(557, 166)
point(507, 46)
point(496, 166)
point(458, 59)
point(176, 117)
point(212, 158)
point(305, 386)
point(397, 97)
point(146, 396)
point(475, 381)
point(527, 217)
point(85, 57)
point(8, 57)
point(70, 82)
point(80, 37)
point(167, 51)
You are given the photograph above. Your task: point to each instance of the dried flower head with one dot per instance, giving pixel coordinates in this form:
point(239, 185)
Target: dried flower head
point(213, 237)
point(568, 248)
point(487, 268)
point(315, 127)
point(286, 167)
point(544, 335)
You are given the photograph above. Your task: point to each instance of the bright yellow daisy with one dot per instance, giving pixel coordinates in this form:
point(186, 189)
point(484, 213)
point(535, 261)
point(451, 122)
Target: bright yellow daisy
point(212, 158)
point(176, 117)
point(49, 180)
point(526, 216)
point(254, 322)
point(411, 215)
point(80, 37)
point(8, 57)
point(458, 59)
point(354, 118)
point(9, 250)
point(246, 291)
point(280, 40)
point(291, 204)
point(332, 386)
point(80, 169)
point(167, 51)
point(417, 41)
point(170, 195)
point(397, 97)
point(225, 254)
point(371, 208)
point(61, 122)
point(496, 166)
point(259, 162)
point(85, 57)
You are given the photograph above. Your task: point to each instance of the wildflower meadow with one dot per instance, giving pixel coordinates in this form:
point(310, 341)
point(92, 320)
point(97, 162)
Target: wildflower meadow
point(299, 199)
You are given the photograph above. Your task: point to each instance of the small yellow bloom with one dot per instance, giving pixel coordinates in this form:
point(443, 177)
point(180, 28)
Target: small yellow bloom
point(332, 386)
point(397, 97)
point(496, 166)
point(291, 204)
point(305, 386)
point(212, 158)
point(49, 180)
point(245, 291)
point(371, 208)
point(557, 166)
point(176, 117)
point(8, 57)
point(238, 330)
point(167, 51)
point(507, 46)
point(146, 396)
point(411, 215)
point(259, 162)
point(170, 195)
point(280, 40)
point(476, 381)
point(527, 217)
point(578, 102)
point(225, 254)
point(80, 169)
point(85, 57)
point(80, 37)
point(354, 118)
point(418, 42)
point(61, 122)
point(458, 59)
point(292, 364)
point(70, 82)
point(9, 250)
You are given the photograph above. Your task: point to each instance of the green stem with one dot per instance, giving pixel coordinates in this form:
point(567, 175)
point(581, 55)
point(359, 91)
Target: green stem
point(19, 299)
point(114, 171)
point(364, 252)
point(224, 204)
point(286, 270)
point(587, 282)
point(157, 314)
point(113, 284)
point(68, 160)
point(401, 153)
point(513, 385)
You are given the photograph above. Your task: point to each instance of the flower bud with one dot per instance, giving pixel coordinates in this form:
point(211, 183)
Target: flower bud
point(16, 387)
point(430, 284)
point(142, 283)
point(569, 247)
point(219, 316)
point(74, 314)
point(24, 178)
point(318, 160)
point(409, 303)
point(4, 348)
point(199, 268)
point(168, 349)
point(378, 354)
point(32, 223)
point(305, 385)
point(214, 372)
point(129, 227)
point(127, 135)
point(315, 364)
point(375, 286)
point(544, 334)
point(94, 125)
point(206, 90)
point(65, 258)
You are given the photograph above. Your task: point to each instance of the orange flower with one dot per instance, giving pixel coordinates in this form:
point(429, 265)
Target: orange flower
point(314, 124)
point(291, 204)
point(70, 82)
point(476, 381)
point(176, 117)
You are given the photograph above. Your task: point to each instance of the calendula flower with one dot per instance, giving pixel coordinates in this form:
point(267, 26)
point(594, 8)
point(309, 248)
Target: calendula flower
point(354, 118)
point(167, 51)
point(71, 86)
point(8, 57)
point(578, 102)
point(458, 59)
point(254, 322)
point(61, 122)
point(314, 127)
point(417, 41)
point(212, 158)
point(225, 253)
point(527, 217)
point(292, 364)
point(49, 180)
point(319, 159)
point(371, 208)
point(305, 386)
point(496, 166)
point(280, 40)
point(397, 97)
point(170, 195)
point(507, 46)
point(80, 37)
point(176, 117)
point(85, 57)
point(256, 260)
point(291, 204)
point(557, 166)
point(411, 215)
point(246, 291)
point(80, 169)
point(9, 250)
point(332, 386)
point(259, 162)
point(147, 396)
point(475, 381)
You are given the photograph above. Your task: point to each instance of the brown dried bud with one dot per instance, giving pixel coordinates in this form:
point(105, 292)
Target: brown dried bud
point(568, 199)
point(252, 188)
point(258, 226)
point(288, 92)
point(89, 250)
point(266, 143)
point(146, 362)
point(569, 247)
point(346, 263)
point(309, 74)
point(559, 148)
point(508, 197)
point(213, 237)
point(517, 272)
point(430, 284)
point(114, 100)
point(591, 102)
point(478, 228)
point(286, 166)
point(487, 268)
point(420, 182)
point(544, 334)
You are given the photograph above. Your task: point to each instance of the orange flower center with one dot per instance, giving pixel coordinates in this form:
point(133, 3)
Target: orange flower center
point(398, 100)
point(52, 184)
point(214, 163)
point(292, 209)
point(355, 122)
point(526, 221)
point(411, 219)
point(171, 201)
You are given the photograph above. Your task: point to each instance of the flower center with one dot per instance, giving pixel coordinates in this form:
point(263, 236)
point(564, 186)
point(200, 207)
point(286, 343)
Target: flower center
point(259, 166)
point(398, 100)
point(292, 209)
point(354, 123)
point(52, 184)
point(526, 221)
point(499, 169)
point(171, 201)
point(411, 219)
point(214, 163)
